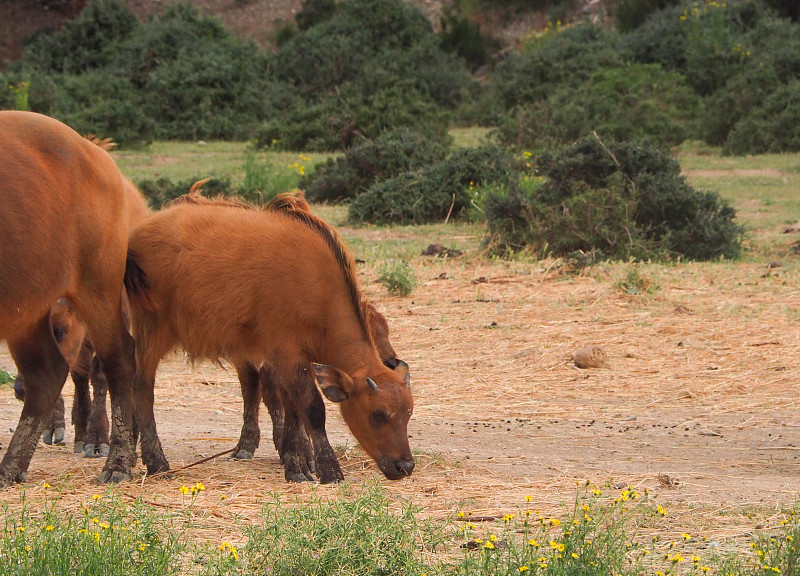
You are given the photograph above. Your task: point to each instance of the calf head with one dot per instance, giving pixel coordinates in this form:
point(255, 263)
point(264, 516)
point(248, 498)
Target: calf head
point(377, 409)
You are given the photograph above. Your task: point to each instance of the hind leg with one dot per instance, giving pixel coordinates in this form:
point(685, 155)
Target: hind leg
point(251, 433)
point(114, 347)
point(97, 424)
point(82, 403)
point(271, 397)
point(45, 370)
point(56, 427)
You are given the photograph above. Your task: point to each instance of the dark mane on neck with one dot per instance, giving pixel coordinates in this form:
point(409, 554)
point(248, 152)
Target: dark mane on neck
point(296, 206)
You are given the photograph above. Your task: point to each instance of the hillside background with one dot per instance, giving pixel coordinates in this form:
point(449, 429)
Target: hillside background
point(259, 19)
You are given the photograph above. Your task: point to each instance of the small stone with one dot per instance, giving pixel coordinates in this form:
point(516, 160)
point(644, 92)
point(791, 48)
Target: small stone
point(590, 357)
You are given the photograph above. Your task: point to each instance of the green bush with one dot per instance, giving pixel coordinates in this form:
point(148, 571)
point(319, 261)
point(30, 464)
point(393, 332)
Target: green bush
point(85, 43)
point(398, 277)
point(362, 165)
point(559, 58)
point(632, 102)
point(772, 126)
point(435, 193)
point(624, 199)
point(633, 13)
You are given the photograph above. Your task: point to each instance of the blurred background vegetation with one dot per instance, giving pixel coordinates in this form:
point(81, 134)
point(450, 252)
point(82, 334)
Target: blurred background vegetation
point(377, 87)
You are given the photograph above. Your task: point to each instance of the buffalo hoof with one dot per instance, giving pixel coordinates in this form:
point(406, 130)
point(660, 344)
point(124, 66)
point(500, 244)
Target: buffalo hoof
point(243, 455)
point(54, 436)
point(298, 477)
point(115, 477)
point(89, 451)
point(22, 477)
point(77, 448)
point(102, 450)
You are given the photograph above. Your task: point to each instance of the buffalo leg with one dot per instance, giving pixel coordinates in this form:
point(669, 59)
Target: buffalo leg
point(305, 413)
point(82, 403)
point(97, 425)
point(56, 427)
point(251, 433)
point(272, 400)
point(44, 370)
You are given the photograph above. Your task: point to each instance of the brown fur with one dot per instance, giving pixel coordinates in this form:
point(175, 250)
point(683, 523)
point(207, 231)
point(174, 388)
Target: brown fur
point(63, 201)
point(274, 288)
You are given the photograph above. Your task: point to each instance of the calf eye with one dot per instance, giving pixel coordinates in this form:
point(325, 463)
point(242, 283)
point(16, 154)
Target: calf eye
point(378, 418)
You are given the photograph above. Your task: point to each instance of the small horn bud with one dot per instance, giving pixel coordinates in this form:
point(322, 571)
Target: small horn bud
point(372, 384)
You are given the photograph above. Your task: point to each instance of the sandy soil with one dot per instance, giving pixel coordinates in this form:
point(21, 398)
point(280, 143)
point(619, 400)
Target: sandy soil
point(700, 402)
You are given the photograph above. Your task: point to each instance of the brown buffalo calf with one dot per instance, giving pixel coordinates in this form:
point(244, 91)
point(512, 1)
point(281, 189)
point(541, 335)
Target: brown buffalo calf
point(273, 288)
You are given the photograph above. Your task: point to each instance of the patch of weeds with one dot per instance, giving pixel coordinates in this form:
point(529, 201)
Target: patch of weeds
point(361, 533)
point(635, 283)
point(6, 379)
point(109, 537)
point(398, 277)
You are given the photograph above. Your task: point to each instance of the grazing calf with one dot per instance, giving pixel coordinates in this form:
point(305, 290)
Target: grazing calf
point(64, 208)
point(258, 384)
point(274, 288)
point(88, 410)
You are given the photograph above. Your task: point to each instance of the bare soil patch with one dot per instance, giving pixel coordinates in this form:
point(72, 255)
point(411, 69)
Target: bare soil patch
point(700, 401)
point(736, 173)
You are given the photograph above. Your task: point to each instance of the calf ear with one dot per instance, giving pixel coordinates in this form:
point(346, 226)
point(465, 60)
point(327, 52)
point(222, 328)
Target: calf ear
point(335, 384)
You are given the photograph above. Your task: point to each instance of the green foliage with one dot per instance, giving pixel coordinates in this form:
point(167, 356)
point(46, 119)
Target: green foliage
point(359, 534)
point(558, 58)
point(773, 125)
point(460, 35)
point(85, 43)
point(398, 277)
point(632, 13)
point(632, 102)
point(109, 538)
point(362, 165)
point(635, 283)
point(5, 378)
point(264, 179)
point(432, 194)
point(626, 200)
point(314, 12)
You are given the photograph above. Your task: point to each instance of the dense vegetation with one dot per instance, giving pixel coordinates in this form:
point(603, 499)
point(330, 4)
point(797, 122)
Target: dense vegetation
point(371, 78)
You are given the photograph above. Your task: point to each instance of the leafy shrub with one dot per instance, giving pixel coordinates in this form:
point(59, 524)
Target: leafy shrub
point(463, 37)
point(632, 13)
point(624, 199)
point(364, 164)
point(83, 43)
point(398, 277)
point(633, 102)
point(436, 192)
point(561, 57)
point(773, 126)
point(314, 12)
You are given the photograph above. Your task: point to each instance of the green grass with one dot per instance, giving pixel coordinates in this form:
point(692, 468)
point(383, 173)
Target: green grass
point(361, 530)
point(6, 379)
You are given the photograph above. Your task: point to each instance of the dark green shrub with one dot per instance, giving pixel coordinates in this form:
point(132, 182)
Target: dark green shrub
point(83, 43)
point(314, 12)
point(772, 126)
point(632, 102)
point(461, 36)
point(435, 193)
point(559, 58)
point(632, 13)
point(624, 199)
point(364, 164)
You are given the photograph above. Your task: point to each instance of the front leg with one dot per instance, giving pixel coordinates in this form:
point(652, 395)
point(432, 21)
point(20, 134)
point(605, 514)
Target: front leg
point(250, 437)
point(44, 371)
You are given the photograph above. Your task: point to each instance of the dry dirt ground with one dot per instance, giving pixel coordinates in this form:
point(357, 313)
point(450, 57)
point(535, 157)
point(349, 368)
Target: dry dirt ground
point(700, 401)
